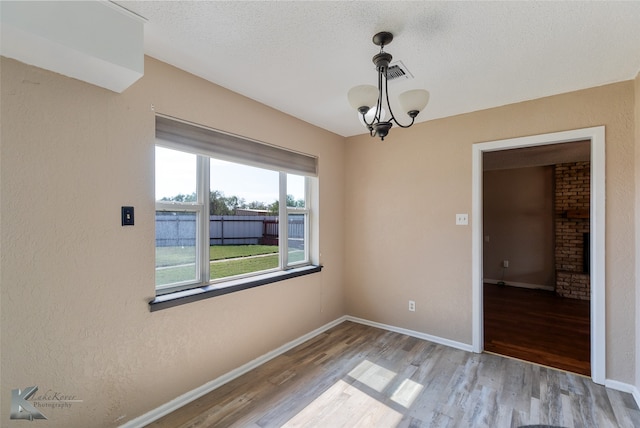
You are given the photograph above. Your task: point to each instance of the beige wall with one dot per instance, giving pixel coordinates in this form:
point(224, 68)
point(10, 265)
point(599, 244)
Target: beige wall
point(75, 284)
point(402, 196)
point(518, 221)
point(637, 217)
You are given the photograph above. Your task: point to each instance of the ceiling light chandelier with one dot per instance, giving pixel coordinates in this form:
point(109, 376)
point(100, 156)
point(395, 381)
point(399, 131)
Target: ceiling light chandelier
point(369, 100)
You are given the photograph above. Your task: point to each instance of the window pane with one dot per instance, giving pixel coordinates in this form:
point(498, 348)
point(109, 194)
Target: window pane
point(295, 191)
point(243, 228)
point(297, 238)
point(243, 187)
point(175, 247)
point(175, 175)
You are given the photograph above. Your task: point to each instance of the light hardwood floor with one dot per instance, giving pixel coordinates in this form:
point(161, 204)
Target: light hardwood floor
point(359, 376)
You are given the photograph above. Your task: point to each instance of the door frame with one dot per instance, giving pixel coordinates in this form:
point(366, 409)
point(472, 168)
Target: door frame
point(597, 228)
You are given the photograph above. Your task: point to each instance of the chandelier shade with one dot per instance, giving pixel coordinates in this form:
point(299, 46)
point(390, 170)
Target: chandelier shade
point(414, 100)
point(371, 102)
point(363, 96)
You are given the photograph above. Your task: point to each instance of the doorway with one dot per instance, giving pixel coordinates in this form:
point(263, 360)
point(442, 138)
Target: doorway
point(595, 137)
point(535, 236)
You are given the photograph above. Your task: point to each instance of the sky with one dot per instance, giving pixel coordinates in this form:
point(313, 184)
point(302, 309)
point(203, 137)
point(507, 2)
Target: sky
point(176, 173)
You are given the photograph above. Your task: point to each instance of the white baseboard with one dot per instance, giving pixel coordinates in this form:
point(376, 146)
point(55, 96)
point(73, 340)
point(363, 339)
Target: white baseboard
point(413, 333)
point(624, 387)
point(521, 284)
point(198, 392)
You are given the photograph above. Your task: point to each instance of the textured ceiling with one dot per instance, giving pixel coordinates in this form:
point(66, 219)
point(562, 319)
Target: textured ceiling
point(302, 57)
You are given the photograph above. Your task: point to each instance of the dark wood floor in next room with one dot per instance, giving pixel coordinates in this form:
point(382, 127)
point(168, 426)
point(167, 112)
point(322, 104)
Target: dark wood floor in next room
point(538, 326)
point(355, 375)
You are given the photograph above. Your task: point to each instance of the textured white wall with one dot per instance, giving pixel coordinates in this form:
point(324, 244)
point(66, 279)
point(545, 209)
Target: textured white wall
point(75, 283)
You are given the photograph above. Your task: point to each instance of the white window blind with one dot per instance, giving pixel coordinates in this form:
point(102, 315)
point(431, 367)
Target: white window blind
point(199, 140)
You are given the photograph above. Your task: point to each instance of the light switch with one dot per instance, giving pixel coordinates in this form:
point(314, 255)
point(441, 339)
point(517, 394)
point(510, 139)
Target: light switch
point(127, 216)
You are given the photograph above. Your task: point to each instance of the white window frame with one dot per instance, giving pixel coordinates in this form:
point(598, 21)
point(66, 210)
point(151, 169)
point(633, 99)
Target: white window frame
point(283, 231)
point(201, 208)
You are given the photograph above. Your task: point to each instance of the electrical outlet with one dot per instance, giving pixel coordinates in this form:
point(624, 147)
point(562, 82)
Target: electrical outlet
point(462, 219)
point(412, 306)
point(505, 263)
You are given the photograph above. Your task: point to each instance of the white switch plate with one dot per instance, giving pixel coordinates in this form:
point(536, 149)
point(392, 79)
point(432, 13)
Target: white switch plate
point(462, 219)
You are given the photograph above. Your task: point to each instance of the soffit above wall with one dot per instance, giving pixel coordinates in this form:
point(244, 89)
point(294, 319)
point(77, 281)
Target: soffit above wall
point(94, 41)
point(551, 154)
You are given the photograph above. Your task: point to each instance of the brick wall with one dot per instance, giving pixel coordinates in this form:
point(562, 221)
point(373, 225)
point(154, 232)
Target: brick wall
point(572, 196)
point(573, 285)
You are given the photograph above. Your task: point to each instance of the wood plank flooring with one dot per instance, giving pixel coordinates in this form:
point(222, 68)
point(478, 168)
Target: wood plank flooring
point(359, 376)
point(538, 326)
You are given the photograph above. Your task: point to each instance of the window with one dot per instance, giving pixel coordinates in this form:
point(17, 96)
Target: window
point(228, 209)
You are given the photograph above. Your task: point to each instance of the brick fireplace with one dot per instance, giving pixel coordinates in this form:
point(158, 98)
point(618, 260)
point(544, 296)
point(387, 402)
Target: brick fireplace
point(572, 198)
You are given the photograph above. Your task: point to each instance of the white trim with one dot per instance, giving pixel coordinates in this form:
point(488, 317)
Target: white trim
point(520, 284)
point(624, 387)
point(283, 221)
point(477, 275)
point(198, 392)
point(203, 223)
point(413, 333)
point(597, 137)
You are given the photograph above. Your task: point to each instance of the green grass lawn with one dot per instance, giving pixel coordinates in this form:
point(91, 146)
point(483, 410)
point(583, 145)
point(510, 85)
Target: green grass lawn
point(227, 260)
point(170, 256)
point(221, 252)
point(241, 266)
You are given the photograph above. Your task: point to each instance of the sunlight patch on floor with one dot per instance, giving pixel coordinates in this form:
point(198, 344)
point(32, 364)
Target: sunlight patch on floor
point(345, 405)
point(372, 375)
point(358, 402)
point(407, 393)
